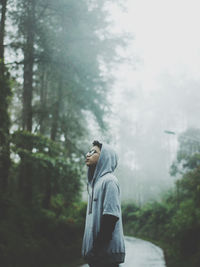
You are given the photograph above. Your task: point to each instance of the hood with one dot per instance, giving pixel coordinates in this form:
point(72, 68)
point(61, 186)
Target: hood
point(106, 164)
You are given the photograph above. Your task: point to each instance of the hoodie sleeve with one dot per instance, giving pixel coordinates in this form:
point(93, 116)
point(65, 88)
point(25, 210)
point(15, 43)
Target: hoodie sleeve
point(111, 202)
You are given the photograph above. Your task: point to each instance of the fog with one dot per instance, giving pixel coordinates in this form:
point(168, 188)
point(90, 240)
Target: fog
point(155, 90)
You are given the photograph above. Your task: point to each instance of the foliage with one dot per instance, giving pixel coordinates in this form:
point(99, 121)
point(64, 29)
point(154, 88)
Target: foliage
point(173, 223)
point(53, 178)
point(34, 237)
point(188, 154)
point(45, 226)
point(59, 49)
point(71, 42)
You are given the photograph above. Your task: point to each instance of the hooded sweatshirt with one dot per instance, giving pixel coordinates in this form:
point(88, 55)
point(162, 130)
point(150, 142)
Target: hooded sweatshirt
point(104, 199)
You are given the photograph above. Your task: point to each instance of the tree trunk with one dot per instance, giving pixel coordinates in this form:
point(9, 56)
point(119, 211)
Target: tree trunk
point(56, 113)
point(2, 34)
point(25, 177)
point(48, 189)
point(26, 181)
point(28, 67)
point(43, 101)
point(4, 100)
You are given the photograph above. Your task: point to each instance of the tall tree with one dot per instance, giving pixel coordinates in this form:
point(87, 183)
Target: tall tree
point(29, 34)
point(64, 45)
point(56, 111)
point(5, 92)
point(188, 152)
point(74, 39)
point(2, 33)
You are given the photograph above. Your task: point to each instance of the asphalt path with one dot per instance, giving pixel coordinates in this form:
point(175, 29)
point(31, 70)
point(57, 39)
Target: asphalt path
point(141, 253)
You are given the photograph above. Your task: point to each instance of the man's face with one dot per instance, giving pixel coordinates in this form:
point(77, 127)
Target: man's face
point(92, 156)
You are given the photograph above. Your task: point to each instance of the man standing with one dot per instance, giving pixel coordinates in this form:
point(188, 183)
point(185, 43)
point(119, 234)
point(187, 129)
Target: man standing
point(103, 241)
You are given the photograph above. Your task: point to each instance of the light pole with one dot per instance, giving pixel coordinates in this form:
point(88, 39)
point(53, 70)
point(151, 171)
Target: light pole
point(169, 132)
point(171, 148)
point(184, 136)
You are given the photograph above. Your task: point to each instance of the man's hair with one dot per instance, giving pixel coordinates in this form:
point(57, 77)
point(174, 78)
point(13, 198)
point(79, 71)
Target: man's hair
point(97, 143)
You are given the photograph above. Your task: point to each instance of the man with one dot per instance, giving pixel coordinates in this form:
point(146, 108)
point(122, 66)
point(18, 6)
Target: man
point(103, 241)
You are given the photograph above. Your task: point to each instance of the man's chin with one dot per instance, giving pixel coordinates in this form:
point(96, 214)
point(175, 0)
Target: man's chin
point(88, 164)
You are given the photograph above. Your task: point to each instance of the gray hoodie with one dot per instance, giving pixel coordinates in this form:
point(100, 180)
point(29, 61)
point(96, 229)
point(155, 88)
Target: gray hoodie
point(104, 198)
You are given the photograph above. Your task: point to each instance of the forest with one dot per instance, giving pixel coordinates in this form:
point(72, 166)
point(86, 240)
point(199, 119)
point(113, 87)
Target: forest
point(174, 222)
point(56, 61)
point(52, 56)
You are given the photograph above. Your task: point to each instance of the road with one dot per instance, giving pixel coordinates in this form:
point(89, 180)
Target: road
point(140, 253)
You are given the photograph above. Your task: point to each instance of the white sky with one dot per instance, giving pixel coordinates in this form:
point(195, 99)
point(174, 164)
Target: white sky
point(160, 90)
point(165, 46)
point(165, 52)
point(166, 33)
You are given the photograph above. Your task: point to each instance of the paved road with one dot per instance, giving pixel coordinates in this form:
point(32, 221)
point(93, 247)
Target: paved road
point(140, 253)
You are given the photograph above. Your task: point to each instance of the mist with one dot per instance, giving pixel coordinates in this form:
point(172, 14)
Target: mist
point(156, 90)
point(121, 72)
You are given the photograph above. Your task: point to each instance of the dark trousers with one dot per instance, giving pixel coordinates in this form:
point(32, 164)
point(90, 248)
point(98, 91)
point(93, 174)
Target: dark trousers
point(104, 265)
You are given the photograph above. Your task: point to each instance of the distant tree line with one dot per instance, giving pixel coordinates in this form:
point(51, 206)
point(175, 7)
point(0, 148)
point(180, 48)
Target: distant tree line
point(174, 223)
point(51, 58)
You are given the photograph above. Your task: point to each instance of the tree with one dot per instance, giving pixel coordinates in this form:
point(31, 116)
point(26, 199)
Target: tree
point(45, 171)
point(28, 51)
point(63, 44)
point(5, 93)
point(58, 49)
point(188, 153)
